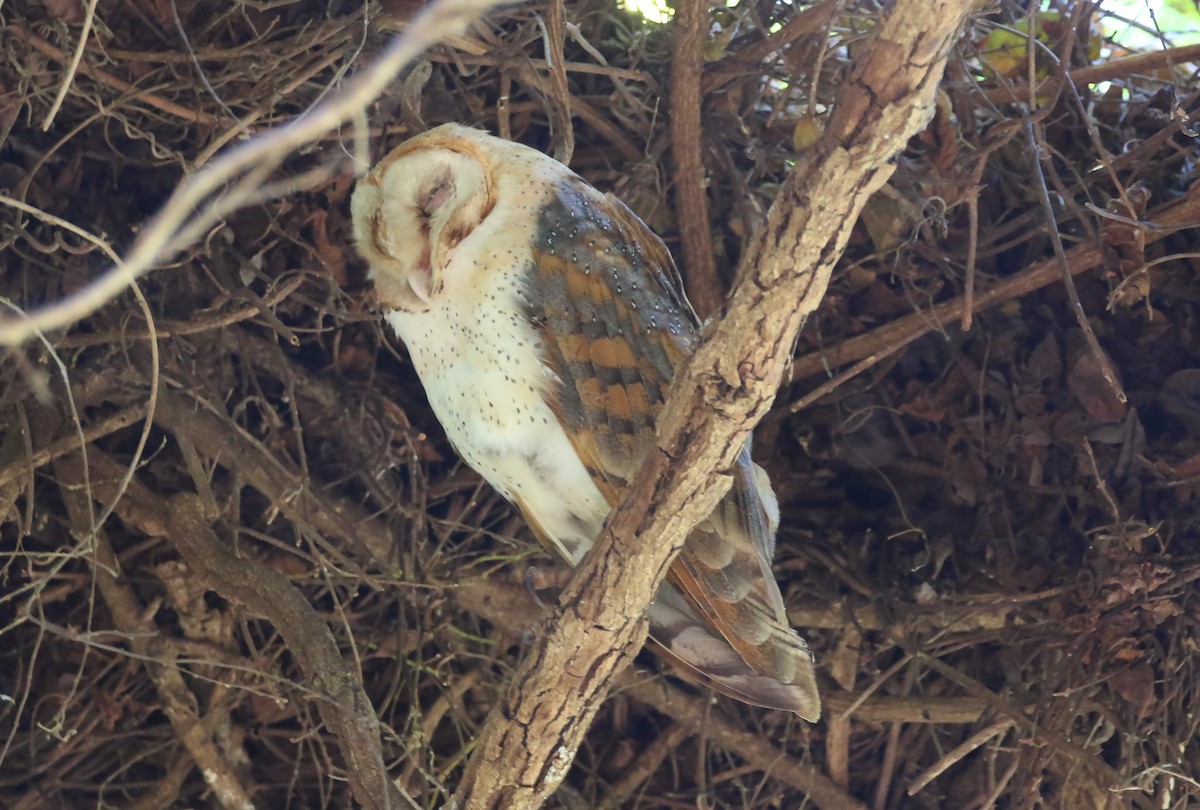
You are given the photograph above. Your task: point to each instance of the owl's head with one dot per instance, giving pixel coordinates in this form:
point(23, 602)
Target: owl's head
point(415, 207)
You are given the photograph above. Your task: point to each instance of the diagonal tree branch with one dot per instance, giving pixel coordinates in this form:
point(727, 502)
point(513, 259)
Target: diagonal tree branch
point(493, 599)
point(530, 739)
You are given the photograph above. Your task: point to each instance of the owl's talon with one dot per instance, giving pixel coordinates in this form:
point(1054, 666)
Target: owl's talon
point(531, 576)
point(537, 578)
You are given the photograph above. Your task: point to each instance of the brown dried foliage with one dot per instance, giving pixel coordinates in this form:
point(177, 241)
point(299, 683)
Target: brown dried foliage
point(992, 553)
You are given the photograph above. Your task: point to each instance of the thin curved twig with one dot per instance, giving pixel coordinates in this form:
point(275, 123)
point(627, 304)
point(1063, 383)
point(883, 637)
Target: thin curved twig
point(103, 76)
point(193, 209)
point(89, 17)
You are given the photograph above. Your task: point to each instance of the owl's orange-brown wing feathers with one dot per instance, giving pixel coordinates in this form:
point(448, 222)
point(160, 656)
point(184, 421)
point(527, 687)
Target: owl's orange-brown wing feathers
point(615, 326)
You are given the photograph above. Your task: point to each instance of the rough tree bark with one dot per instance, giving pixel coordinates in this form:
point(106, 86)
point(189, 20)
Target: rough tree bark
point(530, 739)
point(687, 146)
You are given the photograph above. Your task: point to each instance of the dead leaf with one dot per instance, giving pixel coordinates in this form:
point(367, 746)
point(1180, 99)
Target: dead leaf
point(1087, 383)
point(330, 254)
point(1045, 362)
point(888, 219)
point(1180, 397)
point(68, 11)
point(1136, 686)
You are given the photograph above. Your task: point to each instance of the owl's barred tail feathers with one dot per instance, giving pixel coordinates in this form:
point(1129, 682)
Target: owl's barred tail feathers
point(692, 644)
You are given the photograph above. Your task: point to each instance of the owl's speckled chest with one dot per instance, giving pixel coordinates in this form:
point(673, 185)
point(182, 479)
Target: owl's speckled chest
point(479, 359)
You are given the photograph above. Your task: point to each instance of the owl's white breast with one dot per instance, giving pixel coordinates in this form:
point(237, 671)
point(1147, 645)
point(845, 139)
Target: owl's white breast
point(479, 360)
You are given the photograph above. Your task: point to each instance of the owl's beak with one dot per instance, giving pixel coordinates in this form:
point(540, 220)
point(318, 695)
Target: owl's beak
point(421, 283)
point(421, 278)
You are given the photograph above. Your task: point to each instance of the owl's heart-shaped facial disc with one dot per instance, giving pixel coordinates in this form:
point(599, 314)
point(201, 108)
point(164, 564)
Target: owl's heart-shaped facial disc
point(410, 217)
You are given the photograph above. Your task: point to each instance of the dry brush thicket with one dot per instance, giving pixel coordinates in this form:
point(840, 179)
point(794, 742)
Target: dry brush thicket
point(987, 447)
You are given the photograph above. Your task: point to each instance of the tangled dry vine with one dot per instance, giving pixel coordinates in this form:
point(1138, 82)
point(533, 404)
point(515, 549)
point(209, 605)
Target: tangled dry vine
point(989, 551)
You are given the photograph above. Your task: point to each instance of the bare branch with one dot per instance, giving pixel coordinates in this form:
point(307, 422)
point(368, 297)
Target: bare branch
point(199, 203)
point(264, 592)
point(180, 704)
point(687, 147)
point(880, 342)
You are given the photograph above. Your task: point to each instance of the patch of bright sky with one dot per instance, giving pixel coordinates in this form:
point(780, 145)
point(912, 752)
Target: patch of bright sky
point(1178, 20)
point(655, 11)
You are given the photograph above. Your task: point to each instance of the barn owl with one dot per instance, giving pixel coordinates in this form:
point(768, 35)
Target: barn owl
point(546, 321)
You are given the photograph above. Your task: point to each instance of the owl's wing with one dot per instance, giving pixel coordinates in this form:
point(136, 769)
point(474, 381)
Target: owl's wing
point(615, 326)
